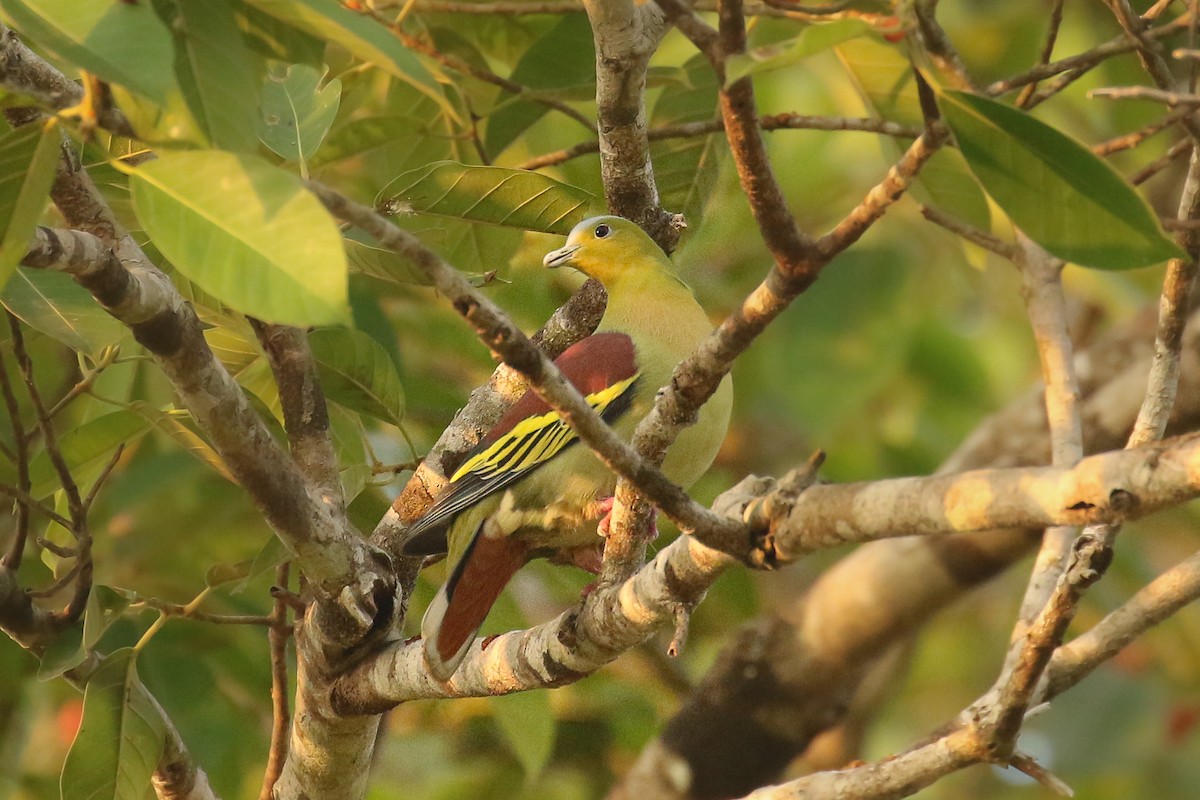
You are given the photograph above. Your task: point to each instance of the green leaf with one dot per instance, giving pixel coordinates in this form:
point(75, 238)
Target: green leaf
point(216, 73)
point(297, 111)
point(54, 304)
point(120, 738)
point(528, 727)
point(375, 262)
point(28, 157)
point(123, 43)
point(104, 607)
point(173, 425)
point(277, 40)
point(687, 168)
point(246, 232)
point(64, 653)
point(355, 372)
point(272, 552)
point(497, 195)
point(363, 37)
point(1058, 192)
point(86, 446)
point(884, 79)
point(562, 58)
point(812, 40)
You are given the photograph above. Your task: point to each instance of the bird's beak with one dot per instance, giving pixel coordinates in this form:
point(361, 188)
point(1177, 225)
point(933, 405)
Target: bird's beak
point(560, 257)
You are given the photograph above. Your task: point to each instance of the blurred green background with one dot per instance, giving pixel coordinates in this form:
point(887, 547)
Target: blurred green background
point(900, 349)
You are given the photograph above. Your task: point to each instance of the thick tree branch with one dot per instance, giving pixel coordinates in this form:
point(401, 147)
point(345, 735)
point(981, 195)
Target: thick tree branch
point(24, 72)
point(626, 35)
point(142, 297)
point(305, 415)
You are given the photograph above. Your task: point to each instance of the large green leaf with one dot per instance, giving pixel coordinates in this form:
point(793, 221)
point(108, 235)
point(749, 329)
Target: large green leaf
point(105, 605)
point(123, 43)
point(362, 36)
point(217, 73)
point(271, 38)
point(54, 304)
point(174, 424)
point(120, 738)
point(563, 58)
point(375, 262)
point(812, 40)
point(85, 447)
point(247, 232)
point(687, 167)
point(511, 197)
point(297, 111)
point(528, 726)
point(884, 79)
point(28, 156)
point(355, 372)
point(1058, 192)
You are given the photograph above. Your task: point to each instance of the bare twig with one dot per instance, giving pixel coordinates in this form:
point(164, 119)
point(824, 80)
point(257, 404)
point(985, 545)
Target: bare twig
point(768, 123)
point(1169, 99)
point(277, 637)
point(1052, 26)
point(13, 556)
point(984, 239)
point(305, 415)
point(74, 502)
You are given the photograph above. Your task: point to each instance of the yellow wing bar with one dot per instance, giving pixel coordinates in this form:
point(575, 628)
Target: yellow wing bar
point(534, 440)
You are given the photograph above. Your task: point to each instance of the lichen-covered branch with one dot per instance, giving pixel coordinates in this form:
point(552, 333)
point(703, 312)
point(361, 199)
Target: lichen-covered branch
point(139, 295)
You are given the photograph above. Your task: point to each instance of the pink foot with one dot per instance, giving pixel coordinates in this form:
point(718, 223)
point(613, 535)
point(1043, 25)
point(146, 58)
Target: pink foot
point(604, 508)
point(588, 557)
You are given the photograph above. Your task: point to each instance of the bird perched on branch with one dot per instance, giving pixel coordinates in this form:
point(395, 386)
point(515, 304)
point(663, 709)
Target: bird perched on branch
point(529, 488)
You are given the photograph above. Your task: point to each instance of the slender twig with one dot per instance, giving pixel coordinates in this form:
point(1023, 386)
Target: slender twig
point(1176, 151)
point(25, 364)
point(107, 358)
point(108, 468)
point(984, 239)
point(60, 583)
point(12, 558)
point(192, 612)
point(1056, 17)
point(771, 122)
point(277, 638)
point(1081, 62)
point(1127, 141)
point(1169, 99)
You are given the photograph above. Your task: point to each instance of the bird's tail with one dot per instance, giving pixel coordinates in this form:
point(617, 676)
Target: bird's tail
point(454, 616)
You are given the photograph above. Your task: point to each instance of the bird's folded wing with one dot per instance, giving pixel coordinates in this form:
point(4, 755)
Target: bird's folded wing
point(531, 433)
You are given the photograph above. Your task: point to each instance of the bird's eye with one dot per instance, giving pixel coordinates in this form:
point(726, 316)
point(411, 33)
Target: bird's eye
point(602, 231)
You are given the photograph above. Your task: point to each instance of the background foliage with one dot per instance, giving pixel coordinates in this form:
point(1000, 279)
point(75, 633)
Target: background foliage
point(900, 349)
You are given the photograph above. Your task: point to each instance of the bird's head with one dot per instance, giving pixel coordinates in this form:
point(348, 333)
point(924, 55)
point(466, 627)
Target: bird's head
point(608, 249)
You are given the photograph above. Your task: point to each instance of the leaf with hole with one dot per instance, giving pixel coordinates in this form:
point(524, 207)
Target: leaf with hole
point(297, 111)
point(246, 232)
point(1060, 194)
point(363, 37)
